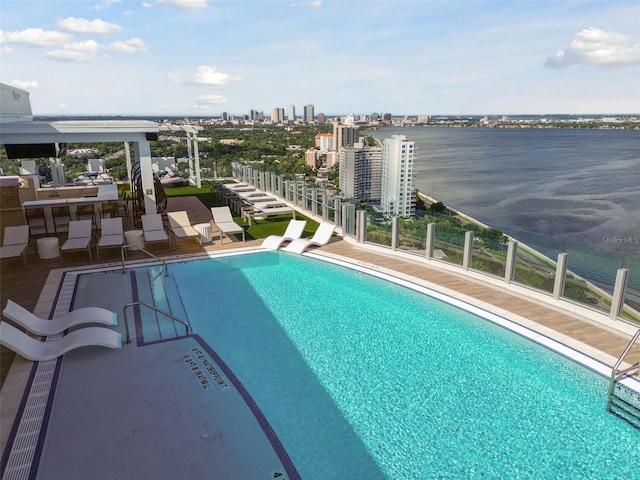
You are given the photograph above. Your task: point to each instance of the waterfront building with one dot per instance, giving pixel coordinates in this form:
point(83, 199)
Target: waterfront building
point(361, 172)
point(397, 195)
point(344, 136)
point(308, 113)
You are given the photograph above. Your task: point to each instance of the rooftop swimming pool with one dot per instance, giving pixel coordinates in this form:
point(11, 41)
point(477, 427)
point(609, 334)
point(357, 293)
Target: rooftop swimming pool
point(363, 378)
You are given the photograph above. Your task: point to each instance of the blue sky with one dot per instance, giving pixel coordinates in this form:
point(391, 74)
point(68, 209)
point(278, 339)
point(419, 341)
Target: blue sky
point(204, 57)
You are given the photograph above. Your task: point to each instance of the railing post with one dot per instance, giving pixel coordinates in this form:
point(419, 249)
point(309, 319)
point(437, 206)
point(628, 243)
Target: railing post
point(619, 290)
point(431, 229)
point(337, 211)
point(468, 250)
point(361, 229)
point(314, 201)
point(348, 218)
point(395, 232)
point(287, 190)
point(325, 207)
point(510, 267)
point(561, 276)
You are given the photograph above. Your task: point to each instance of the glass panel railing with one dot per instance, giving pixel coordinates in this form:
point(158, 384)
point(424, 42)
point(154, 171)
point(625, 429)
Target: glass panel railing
point(413, 237)
point(448, 245)
point(380, 234)
point(489, 257)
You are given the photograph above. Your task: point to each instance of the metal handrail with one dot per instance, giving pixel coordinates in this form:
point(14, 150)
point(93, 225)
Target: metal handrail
point(152, 307)
point(124, 247)
point(616, 372)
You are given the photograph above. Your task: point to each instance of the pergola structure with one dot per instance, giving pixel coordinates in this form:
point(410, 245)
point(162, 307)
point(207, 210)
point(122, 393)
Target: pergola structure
point(22, 137)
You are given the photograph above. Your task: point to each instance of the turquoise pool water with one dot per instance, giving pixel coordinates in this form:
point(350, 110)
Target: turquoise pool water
point(362, 378)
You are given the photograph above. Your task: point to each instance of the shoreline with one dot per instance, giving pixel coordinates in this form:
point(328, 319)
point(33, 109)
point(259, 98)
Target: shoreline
point(590, 284)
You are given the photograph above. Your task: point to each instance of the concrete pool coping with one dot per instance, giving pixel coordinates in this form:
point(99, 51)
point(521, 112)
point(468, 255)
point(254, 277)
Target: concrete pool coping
point(539, 333)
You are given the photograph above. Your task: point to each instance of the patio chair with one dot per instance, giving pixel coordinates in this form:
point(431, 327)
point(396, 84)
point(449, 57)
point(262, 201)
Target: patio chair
point(36, 220)
point(79, 237)
point(154, 229)
point(40, 326)
point(111, 234)
point(293, 232)
point(321, 237)
point(15, 242)
point(181, 225)
point(37, 351)
point(223, 219)
point(61, 218)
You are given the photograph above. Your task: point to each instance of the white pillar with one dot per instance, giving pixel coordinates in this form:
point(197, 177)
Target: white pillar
point(431, 229)
point(510, 267)
point(361, 220)
point(561, 276)
point(127, 156)
point(395, 232)
point(142, 152)
point(468, 250)
point(617, 301)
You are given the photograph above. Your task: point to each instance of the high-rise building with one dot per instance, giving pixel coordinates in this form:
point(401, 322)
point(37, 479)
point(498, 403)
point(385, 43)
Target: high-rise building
point(344, 136)
point(397, 196)
point(322, 118)
point(324, 141)
point(278, 115)
point(291, 114)
point(308, 113)
point(361, 172)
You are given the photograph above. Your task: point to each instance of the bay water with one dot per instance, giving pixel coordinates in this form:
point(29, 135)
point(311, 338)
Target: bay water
point(573, 190)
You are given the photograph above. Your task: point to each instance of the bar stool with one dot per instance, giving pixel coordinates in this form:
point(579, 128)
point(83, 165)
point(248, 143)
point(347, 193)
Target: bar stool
point(61, 218)
point(36, 220)
point(87, 212)
point(109, 210)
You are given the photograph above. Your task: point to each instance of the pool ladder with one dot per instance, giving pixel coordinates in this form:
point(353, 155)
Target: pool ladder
point(622, 401)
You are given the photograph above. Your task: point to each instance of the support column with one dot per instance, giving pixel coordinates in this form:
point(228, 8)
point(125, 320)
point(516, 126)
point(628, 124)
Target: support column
point(325, 207)
point(142, 153)
point(348, 218)
point(337, 211)
point(431, 230)
point(510, 267)
point(619, 290)
point(561, 276)
point(468, 250)
point(127, 156)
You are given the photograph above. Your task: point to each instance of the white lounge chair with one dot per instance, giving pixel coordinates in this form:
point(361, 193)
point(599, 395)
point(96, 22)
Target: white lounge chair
point(293, 232)
point(111, 234)
point(79, 236)
point(15, 242)
point(154, 230)
point(223, 219)
point(321, 237)
point(32, 349)
point(40, 326)
point(181, 225)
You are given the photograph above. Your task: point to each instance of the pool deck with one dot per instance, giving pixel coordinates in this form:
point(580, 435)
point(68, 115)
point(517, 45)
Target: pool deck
point(36, 287)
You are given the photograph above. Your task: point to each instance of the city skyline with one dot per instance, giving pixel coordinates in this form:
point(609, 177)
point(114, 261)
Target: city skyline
point(202, 57)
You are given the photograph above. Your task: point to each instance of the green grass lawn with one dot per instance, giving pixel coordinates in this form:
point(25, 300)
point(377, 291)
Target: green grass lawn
point(260, 228)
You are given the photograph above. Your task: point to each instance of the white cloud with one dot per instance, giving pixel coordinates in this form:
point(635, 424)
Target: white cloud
point(35, 36)
point(62, 105)
point(7, 50)
point(186, 4)
point(205, 100)
point(82, 25)
point(598, 48)
point(130, 46)
point(76, 51)
point(314, 4)
point(175, 77)
point(25, 84)
point(105, 4)
point(212, 76)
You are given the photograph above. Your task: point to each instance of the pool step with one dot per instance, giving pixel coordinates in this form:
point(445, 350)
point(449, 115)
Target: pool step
point(626, 405)
point(162, 292)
